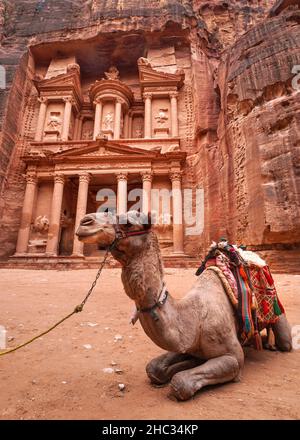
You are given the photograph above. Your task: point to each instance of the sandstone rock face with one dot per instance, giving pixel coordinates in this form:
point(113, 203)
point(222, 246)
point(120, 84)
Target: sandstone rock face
point(240, 112)
point(259, 132)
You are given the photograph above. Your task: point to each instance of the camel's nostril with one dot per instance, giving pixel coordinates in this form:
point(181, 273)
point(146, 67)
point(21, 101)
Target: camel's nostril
point(87, 221)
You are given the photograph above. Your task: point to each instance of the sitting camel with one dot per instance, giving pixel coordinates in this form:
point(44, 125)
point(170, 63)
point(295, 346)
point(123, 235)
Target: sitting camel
point(199, 332)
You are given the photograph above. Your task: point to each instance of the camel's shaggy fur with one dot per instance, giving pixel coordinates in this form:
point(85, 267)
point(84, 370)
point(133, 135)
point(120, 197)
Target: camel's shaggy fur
point(199, 332)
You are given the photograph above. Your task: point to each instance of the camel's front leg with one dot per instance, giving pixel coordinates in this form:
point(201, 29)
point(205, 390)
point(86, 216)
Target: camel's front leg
point(282, 333)
point(218, 370)
point(161, 369)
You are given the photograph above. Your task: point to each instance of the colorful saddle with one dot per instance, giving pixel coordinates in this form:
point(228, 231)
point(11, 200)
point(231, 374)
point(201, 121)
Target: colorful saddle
point(249, 285)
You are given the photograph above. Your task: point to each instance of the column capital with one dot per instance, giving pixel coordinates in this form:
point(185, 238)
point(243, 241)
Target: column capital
point(59, 178)
point(31, 178)
point(119, 101)
point(97, 101)
point(121, 176)
point(147, 176)
point(175, 176)
point(85, 177)
point(43, 100)
point(68, 99)
point(173, 94)
point(147, 95)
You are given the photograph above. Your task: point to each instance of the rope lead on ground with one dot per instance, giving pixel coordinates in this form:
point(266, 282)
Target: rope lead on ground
point(77, 309)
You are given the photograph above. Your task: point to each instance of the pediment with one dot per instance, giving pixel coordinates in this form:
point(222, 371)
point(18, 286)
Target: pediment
point(103, 149)
point(65, 81)
point(151, 77)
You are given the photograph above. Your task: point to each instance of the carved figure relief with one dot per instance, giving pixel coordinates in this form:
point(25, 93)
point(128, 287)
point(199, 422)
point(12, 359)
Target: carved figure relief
point(112, 73)
point(54, 123)
point(138, 131)
point(144, 62)
point(108, 121)
point(87, 135)
point(162, 116)
point(41, 224)
point(65, 220)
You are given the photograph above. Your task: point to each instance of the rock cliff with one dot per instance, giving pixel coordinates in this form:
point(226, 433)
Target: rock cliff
point(243, 147)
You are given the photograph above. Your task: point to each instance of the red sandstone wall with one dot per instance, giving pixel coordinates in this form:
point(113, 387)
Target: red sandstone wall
point(243, 148)
point(259, 133)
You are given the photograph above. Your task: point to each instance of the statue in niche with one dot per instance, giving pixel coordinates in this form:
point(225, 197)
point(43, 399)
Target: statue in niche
point(139, 131)
point(162, 116)
point(108, 121)
point(54, 123)
point(87, 135)
point(65, 219)
point(143, 62)
point(112, 73)
point(41, 224)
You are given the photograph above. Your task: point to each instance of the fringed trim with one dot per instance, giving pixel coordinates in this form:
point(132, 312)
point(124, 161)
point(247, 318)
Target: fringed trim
point(226, 285)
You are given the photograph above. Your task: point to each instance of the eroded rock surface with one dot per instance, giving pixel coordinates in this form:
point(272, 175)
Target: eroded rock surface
point(240, 114)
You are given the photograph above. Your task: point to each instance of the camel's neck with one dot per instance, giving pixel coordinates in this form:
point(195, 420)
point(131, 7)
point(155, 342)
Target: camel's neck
point(142, 274)
point(143, 281)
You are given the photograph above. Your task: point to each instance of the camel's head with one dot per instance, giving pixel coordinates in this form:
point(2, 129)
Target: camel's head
point(97, 228)
point(105, 229)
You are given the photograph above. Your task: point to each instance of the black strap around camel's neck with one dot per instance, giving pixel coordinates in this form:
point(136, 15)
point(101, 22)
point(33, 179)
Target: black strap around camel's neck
point(159, 303)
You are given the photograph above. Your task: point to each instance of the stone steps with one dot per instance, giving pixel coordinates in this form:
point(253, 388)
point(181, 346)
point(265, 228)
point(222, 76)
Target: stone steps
point(279, 261)
point(68, 263)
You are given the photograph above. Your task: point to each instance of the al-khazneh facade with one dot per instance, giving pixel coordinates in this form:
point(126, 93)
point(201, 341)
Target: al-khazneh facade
point(109, 137)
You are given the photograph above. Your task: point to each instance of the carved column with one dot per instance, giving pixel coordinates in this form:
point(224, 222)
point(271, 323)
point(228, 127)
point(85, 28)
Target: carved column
point(98, 119)
point(41, 120)
point(130, 126)
point(117, 125)
point(67, 119)
point(24, 231)
point(174, 113)
point(147, 185)
point(75, 135)
point(122, 193)
point(79, 128)
point(126, 125)
point(54, 228)
point(148, 115)
point(83, 188)
point(177, 213)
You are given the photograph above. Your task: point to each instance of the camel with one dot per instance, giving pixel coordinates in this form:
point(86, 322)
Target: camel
point(199, 332)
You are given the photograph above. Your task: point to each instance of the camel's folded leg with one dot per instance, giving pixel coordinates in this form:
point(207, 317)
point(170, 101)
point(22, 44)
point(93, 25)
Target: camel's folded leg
point(217, 370)
point(269, 343)
point(282, 333)
point(161, 369)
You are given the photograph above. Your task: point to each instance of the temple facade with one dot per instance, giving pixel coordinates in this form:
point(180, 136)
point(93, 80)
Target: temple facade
point(109, 137)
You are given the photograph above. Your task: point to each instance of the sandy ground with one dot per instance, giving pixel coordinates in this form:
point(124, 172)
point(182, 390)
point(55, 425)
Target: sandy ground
point(61, 376)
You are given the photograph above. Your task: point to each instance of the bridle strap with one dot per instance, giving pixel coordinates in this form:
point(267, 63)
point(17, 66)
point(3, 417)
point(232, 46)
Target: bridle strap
point(159, 303)
point(121, 235)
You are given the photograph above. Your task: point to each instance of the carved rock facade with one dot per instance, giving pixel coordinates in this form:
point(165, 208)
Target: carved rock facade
point(204, 89)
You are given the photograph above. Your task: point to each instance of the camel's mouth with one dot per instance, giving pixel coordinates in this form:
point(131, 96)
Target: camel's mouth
point(84, 232)
point(95, 229)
